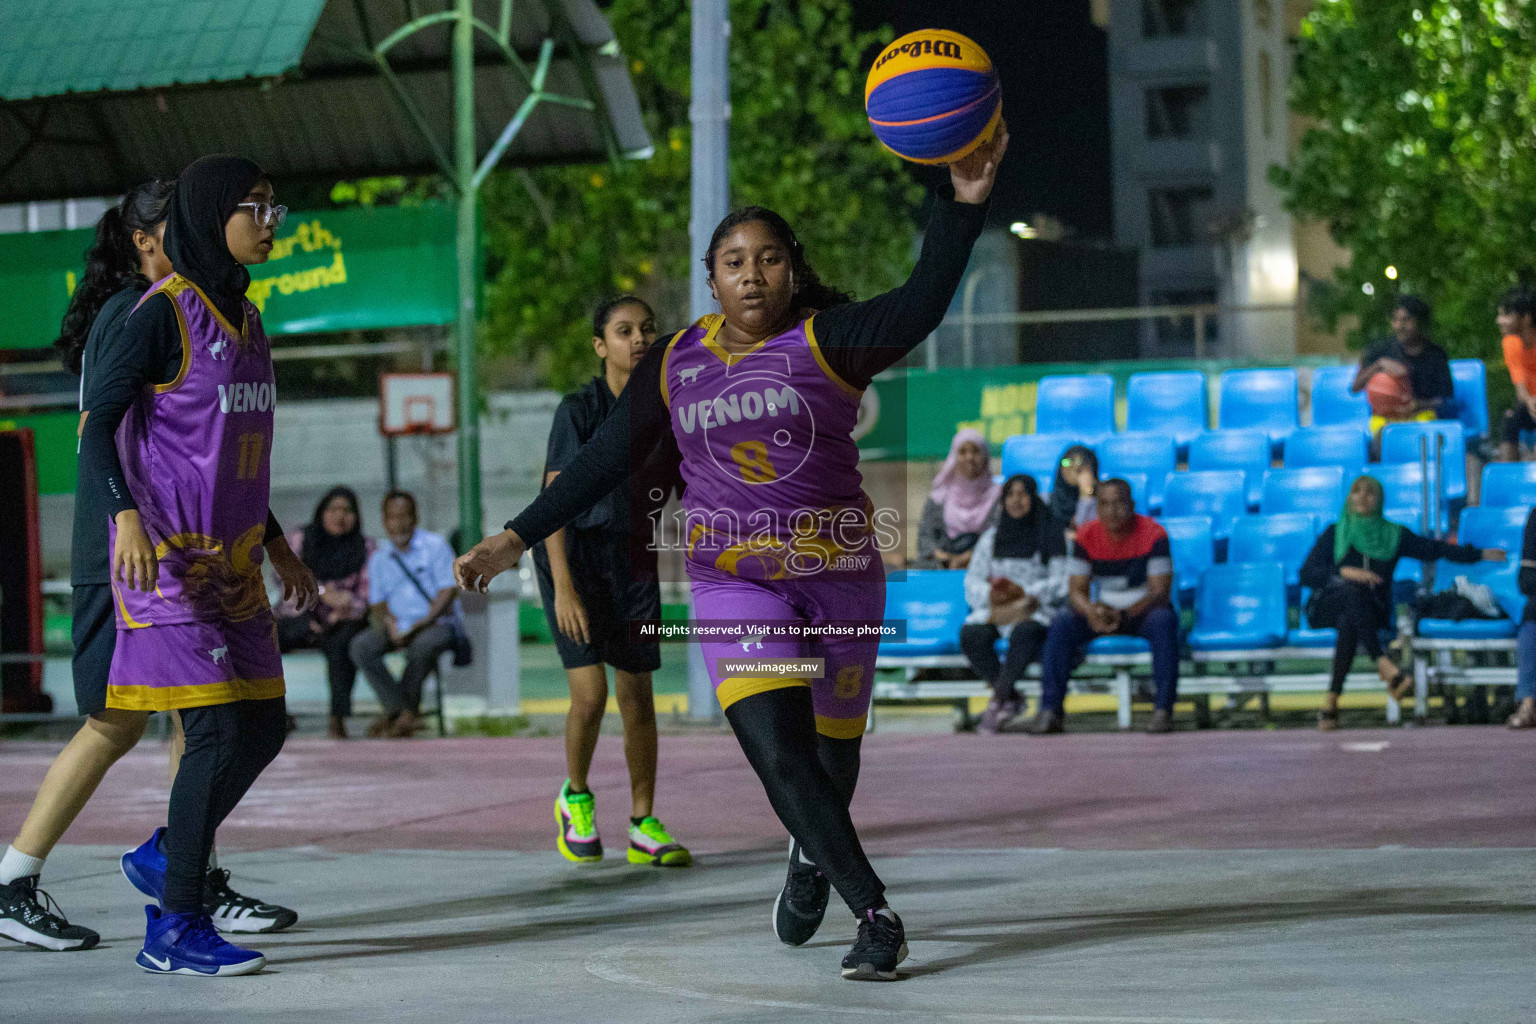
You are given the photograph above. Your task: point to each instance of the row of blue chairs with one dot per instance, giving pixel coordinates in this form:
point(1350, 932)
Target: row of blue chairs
point(1175, 402)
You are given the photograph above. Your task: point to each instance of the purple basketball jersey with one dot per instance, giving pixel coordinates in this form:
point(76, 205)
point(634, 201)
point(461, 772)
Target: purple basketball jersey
point(774, 489)
point(196, 458)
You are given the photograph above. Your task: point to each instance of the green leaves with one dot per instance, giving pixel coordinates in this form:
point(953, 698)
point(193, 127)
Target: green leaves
point(1420, 154)
point(558, 240)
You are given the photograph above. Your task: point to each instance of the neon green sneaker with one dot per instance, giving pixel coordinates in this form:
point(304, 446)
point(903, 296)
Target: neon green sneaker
point(650, 844)
point(576, 814)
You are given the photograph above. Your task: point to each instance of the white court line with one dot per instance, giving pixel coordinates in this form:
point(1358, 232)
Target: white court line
point(606, 966)
point(1374, 747)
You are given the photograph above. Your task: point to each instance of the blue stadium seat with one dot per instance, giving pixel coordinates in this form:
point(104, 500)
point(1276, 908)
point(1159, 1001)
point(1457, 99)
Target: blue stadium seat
point(1215, 493)
point(1118, 645)
point(1036, 454)
point(1153, 455)
point(1283, 537)
point(1315, 490)
point(1400, 443)
point(1509, 483)
point(1403, 486)
point(1246, 450)
point(1167, 403)
point(1410, 571)
point(1259, 400)
point(1193, 550)
point(1083, 406)
point(1241, 607)
point(1502, 579)
point(1488, 527)
point(1138, 482)
point(1305, 635)
point(1332, 403)
point(1342, 446)
point(932, 601)
point(1470, 379)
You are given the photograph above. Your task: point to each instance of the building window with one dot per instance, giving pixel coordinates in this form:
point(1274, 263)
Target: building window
point(1179, 335)
point(1172, 17)
point(1266, 95)
point(1178, 112)
point(1177, 215)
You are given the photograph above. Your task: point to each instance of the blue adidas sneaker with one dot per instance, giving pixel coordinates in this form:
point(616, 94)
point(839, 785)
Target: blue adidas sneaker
point(144, 866)
point(187, 944)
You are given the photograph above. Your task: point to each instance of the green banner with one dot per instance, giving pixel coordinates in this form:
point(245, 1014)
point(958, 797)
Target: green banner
point(54, 441)
point(914, 415)
point(357, 268)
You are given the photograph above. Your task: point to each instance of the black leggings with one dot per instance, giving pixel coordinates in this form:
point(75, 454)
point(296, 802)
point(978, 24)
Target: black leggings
point(340, 671)
point(809, 780)
point(1025, 643)
point(1353, 611)
point(228, 745)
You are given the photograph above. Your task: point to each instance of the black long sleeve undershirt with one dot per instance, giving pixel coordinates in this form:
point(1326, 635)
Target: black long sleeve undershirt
point(859, 340)
point(148, 352)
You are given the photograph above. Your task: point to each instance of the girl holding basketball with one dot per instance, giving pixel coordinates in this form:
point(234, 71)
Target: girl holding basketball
point(761, 400)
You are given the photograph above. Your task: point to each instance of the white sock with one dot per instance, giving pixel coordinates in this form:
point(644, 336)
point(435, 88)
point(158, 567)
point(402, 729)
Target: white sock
point(16, 864)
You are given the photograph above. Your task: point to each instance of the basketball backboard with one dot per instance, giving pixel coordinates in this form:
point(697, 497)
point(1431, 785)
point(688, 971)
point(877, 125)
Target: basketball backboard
point(416, 403)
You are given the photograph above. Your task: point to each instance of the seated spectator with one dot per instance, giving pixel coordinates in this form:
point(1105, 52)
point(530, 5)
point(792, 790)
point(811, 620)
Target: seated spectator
point(1420, 368)
point(1126, 555)
point(1525, 650)
point(1517, 323)
point(962, 503)
point(334, 548)
point(413, 598)
point(1015, 586)
point(1349, 571)
point(1077, 479)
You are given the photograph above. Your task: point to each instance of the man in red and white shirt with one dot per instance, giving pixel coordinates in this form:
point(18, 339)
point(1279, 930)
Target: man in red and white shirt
point(1126, 556)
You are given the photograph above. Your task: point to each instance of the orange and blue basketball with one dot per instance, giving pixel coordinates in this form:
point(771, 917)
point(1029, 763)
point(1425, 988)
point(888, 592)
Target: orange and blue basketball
point(933, 96)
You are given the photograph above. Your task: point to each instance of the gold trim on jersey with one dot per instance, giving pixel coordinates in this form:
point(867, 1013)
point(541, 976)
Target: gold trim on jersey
point(821, 361)
point(122, 609)
point(735, 688)
point(709, 341)
point(242, 335)
point(841, 728)
point(173, 698)
point(186, 344)
point(666, 355)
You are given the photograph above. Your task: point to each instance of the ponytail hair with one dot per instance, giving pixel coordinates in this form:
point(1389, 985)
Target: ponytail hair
point(810, 291)
point(111, 263)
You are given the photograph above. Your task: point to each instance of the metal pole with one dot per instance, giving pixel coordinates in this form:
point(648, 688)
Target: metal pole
point(470, 531)
point(967, 308)
point(1199, 335)
point(710, 198)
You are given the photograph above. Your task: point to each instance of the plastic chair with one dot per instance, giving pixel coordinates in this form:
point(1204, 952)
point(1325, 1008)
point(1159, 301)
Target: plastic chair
point(1241, 607)
point(1153, 455)
point(1342, 446)
point(1036, 454)
point(1400, 443)
point(1284, 537)
point(1501, 579)
point(1502, 528)
point(1216, 493)
point(1332, 402)
point(1509, 483)
point(1259, 400)
point(1083, 406)
point(1315, 490)
point(1402, 484)
point(1469, 377)
point(932, 601)
point(1167, 403)
point(1247, 450)
point(1192, 548)
point(1307, 635)
point(1410, 571)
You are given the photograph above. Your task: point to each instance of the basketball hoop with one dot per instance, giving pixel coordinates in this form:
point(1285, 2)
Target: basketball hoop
point(416, 403)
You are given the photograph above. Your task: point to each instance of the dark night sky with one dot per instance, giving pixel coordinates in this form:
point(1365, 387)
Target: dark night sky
point(1053, 63)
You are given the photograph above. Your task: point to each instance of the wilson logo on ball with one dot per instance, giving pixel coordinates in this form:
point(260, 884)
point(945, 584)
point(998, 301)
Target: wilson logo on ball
point(933, 96)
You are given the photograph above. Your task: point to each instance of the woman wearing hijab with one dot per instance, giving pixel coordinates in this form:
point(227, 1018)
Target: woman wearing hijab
point(1349, 571)
point(1015, 585)
point(180, 438)
point(334, 548)
point(1072, 494)
point(962, 503)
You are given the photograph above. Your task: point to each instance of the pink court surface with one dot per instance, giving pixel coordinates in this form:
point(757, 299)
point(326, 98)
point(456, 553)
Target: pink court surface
point(1217, 877)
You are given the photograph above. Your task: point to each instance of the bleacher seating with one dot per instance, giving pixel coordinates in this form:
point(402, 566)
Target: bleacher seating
point(1172, 403)
point(1083, 406)
point(1470, 379)
point(1315, 490)
point(1509, 483)
point(1340, 445)
point(1036, 454)
point(1332, 402)
point(1219, 494)
point(932, 602)
point(1305, 634)
point(1495, 527)
point(1400, 442)
point(1193, 550)
point(1410, 571)
point(1498, 577)
point(1241, 608)
point(1244, 450)
point(1283, 537)
point(1403, 484)
point(1262, 399)
point(1152, 455)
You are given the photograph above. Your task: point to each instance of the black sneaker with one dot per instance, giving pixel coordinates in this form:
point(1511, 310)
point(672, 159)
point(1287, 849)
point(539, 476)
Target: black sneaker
point(29, 915)
point(881, 945)
point(802, 903)
point(232, 912)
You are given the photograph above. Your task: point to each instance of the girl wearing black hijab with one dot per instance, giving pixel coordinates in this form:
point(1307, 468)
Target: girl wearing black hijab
point(193, 330)
point(1015, 585)
point(334, 548)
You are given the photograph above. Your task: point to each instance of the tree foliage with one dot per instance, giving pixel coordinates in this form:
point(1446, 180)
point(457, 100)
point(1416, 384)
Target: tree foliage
point(560, 239)
point(1421, 155)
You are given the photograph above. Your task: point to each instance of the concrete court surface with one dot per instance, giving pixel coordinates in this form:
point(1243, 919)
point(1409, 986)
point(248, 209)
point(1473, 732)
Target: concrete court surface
point(1366, 876)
